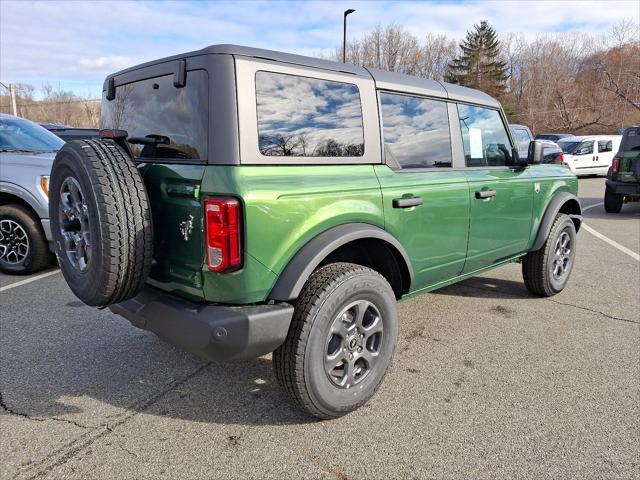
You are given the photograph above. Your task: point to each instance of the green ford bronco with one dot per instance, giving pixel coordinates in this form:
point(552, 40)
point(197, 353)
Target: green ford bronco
point(623, 178)
point(242, 201)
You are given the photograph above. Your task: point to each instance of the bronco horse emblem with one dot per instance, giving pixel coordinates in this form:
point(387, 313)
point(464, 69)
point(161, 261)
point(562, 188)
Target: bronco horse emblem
point(186, 227)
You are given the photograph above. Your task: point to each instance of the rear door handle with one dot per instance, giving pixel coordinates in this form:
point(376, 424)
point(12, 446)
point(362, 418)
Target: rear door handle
point(485, 194)
point(406, 202)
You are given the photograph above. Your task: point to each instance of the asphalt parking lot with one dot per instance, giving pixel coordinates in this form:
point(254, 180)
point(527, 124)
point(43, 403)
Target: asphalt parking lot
point(487, 382)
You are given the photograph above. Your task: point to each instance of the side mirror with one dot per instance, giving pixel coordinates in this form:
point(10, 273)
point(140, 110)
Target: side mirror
point(536, 152)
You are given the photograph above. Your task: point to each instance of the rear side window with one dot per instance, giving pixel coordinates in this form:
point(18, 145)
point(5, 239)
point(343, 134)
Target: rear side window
point(416, 131)
point(485, 139)
point(163, 122)
point(605, 146)
point(308, 117)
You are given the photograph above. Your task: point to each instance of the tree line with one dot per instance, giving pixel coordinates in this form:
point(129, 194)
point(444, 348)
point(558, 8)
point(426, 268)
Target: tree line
point(56, 105)
point(563, 82)
point(568, 82)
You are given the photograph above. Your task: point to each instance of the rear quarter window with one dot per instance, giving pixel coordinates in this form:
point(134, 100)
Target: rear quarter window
point(163, 122)
point(308, 117)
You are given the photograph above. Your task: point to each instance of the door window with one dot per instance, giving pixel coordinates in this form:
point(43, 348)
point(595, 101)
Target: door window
point(165, 122)
point(416, 131)
point(484, 137)
point(308, 117)
point(522, 137)
point(585, 148)
point(605, 146)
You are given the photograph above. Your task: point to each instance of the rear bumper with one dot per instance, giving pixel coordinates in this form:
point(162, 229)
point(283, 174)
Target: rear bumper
point(213, 332)
point(623, 188)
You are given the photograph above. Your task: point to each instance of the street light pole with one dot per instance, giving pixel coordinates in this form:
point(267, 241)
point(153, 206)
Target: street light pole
point(344, 35)
point(12, 93)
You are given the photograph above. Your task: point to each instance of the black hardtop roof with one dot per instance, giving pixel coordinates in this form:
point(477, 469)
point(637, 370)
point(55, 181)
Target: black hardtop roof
point(391, 80)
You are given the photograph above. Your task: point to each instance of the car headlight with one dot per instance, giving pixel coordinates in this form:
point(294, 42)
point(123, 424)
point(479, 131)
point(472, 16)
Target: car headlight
point(44, 184)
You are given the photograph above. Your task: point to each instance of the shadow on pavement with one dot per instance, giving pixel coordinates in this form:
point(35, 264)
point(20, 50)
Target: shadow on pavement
point(484, 287)
point(91, 361)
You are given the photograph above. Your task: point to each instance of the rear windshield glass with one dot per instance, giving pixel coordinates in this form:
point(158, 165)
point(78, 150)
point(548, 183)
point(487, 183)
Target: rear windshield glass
point(163, 122)
point(308, 117)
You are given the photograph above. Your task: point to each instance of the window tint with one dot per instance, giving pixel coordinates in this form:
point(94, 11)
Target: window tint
point(605, 146)
point(416, 131)
point(163, 121)
point(308, 117)
point(484, 137)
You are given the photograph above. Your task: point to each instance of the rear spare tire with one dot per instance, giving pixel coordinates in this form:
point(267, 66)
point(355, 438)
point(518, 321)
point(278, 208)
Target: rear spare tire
point(100, 221)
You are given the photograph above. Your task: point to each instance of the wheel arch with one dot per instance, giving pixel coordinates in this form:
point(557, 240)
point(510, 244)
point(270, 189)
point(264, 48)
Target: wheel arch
point(360, 243)
point(14, 194)
point(563, 202)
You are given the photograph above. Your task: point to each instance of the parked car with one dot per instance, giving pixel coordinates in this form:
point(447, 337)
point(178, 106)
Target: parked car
point(66, 132)
point(554, 137)
point(26, 154)
point(523, 138)
point(591, 154)
point(552, 153)
point(623, 178)
point(274, 222)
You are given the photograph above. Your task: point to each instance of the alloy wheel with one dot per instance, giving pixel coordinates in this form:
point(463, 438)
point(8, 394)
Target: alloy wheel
point(562, 256)
point(354, 344)
point(14, 242)
point(74, 224)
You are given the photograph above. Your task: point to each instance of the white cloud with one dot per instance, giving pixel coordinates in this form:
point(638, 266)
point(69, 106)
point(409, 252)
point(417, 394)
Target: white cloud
point(113, 62)
point(76, 44)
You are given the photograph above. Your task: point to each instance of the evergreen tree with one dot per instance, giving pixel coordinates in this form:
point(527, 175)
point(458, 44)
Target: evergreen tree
point(479, 65)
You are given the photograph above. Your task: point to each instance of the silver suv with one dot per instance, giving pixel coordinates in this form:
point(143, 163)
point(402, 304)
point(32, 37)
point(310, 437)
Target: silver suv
point(27, 151)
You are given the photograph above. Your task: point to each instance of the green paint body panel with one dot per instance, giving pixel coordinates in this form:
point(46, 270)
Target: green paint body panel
point(627, 168)
point(451, 236)
point(434, 234)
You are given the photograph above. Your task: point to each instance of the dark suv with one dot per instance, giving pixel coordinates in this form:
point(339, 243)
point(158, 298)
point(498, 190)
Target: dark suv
point(244, 201)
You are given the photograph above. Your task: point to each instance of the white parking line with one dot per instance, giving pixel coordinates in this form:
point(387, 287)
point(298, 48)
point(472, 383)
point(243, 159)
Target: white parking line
point(28, 280)
point(595, 233)
point(592, 206)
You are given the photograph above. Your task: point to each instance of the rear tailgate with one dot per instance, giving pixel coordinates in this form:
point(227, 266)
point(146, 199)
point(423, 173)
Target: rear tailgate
point(174, 195)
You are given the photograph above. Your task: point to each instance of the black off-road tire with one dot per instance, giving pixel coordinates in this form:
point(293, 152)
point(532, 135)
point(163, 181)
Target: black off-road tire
point(538, 266)
point(299, 363)
point(117, 220)
point(37, 256)
point(612, 201)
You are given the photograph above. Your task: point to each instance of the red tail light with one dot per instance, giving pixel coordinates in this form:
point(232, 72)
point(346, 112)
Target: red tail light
point(223, 223)
point(615, 165)
point(109, 133)
point(562, 158)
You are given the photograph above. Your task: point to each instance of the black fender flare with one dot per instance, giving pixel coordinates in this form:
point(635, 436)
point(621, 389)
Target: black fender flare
point(307, 259)
point(555, 205)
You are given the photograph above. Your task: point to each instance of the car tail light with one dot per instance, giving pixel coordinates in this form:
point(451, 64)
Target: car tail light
point(109, 133)
point(562, 158)
point(615, 165)
point(223, 224)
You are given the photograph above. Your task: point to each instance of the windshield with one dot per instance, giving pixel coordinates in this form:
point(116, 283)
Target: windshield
point(18, 134)
point(569, 147)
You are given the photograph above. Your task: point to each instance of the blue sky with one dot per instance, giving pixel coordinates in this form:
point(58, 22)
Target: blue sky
point(76, 44)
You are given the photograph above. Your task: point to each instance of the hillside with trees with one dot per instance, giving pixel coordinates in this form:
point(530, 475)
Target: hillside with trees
point(575, 83)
